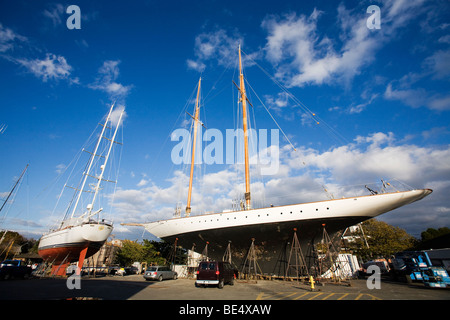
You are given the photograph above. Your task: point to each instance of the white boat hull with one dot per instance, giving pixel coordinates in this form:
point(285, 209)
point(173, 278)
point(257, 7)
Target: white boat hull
point(272, 227)
point(66, 244)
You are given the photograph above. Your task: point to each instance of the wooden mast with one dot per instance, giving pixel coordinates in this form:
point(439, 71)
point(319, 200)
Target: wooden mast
point(244, 120)
point(188, 206)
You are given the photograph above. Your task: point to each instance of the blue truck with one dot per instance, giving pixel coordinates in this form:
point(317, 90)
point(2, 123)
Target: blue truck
point(417, 267)
point(14, 269)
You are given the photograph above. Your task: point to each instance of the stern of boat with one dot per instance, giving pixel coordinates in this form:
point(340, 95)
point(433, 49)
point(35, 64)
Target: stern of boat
point(95, 232)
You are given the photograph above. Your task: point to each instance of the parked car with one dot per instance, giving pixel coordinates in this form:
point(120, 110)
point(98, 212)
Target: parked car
point(216, 273)
point(159, 273)
point(132, 270)
point(14, 269)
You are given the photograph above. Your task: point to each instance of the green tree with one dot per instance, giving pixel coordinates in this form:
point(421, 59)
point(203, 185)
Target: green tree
point(432, 233)
point(12, 238)
point(383, 239)
point(152, 252)
point(130, 252)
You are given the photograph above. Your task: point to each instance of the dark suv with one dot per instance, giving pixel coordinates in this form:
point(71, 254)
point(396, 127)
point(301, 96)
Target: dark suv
point(215, 273)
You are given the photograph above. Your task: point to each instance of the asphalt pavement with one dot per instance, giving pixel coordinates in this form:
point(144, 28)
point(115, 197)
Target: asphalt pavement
point(134, 287)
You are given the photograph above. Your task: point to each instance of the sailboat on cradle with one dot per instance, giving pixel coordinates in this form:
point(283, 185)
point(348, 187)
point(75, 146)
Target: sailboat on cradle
point(271, 227)
point(80, 236)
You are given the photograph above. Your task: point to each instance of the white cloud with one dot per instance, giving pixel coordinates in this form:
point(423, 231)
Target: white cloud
point(220, 48)
point(303, 176)
point(54, 13)
point(60, 168)
point(439, 63)
point(444, 39)
point(106, 80)
point(376, 156)
point(196, 65)
point(115, 115)
point(278, 102)
point(418, 98)
point(8, 38)
point(51, 67)
point(303, 55)
point(143, 183)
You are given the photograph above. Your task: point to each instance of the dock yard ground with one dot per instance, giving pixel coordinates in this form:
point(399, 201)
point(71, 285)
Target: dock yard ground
point(134, 287)
point(180, 298)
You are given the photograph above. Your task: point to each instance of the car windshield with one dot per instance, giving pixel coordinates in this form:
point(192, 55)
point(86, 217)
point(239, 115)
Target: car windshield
point(207, 266)
point(152, 269)
point(11, 262)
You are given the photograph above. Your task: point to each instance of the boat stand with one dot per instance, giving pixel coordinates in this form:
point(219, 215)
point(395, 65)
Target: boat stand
point(60, 269)
point(296, 260)
point(250, 267)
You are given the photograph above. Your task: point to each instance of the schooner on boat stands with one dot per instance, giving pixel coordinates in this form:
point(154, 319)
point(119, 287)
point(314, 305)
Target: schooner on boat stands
point(273, 226)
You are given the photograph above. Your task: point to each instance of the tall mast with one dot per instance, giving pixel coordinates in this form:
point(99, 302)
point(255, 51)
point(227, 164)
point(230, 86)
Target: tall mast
point(15, 185)
point(92, 160)
point(102, 167)
point(244, 120)
point(188, 206)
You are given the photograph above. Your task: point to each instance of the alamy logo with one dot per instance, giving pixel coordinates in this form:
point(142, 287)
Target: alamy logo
point(74, 281)
point(228, 150)
point(374, 281)
point(74, 21)
point(374, 21)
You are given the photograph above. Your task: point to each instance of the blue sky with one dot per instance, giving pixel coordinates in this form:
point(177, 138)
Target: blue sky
point(380, 96)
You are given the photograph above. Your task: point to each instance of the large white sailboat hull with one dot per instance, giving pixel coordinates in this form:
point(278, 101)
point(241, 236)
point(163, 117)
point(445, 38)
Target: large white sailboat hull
point(365, 207)
point(272, 227)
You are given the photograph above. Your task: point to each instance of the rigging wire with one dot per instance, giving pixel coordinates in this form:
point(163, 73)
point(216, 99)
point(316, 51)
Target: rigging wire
point(182, 113)
point(279, 127)
point(302, 106)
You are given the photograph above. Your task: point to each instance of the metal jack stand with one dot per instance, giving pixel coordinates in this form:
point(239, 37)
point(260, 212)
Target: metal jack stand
point(227, 254)
point(205, 252)
point(173, 254)
point(250, 267)
point(329, 263)
point(298, 263)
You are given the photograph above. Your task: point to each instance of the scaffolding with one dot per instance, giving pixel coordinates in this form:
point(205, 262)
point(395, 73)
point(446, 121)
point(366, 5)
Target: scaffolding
point(191, 263)
point(332, 265)
point(250, 269)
